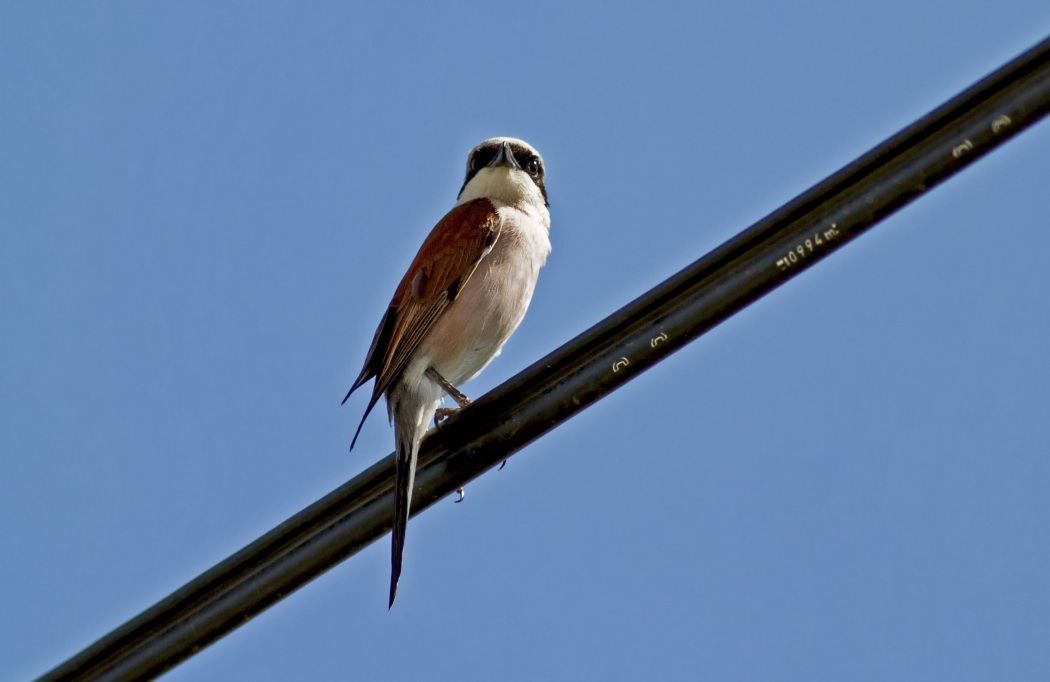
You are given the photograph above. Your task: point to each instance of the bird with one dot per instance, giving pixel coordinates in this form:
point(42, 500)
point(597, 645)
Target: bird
point(464, 294)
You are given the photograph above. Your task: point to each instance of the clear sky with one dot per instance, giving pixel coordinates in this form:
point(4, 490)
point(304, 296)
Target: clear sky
point(204, 208)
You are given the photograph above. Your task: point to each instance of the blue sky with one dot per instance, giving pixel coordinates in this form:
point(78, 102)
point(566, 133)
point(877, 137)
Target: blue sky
point(204, 208)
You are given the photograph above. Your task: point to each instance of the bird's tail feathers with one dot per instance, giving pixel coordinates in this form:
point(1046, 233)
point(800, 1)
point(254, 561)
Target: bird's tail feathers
point(406, 476)
point(411, 418)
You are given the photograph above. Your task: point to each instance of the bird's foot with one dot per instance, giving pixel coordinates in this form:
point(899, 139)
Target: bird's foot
point(443, 413)
point(462, 492)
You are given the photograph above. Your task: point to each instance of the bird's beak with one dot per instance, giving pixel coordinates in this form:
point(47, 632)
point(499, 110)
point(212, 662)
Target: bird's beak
point(504, 157)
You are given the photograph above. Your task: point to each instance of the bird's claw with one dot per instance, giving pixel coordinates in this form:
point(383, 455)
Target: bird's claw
point(462, 495)
point(443, 413)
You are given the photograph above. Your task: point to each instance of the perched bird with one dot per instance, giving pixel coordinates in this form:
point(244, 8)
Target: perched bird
point(464, 294)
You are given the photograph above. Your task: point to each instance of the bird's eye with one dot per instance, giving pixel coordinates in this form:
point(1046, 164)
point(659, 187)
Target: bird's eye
point(533, 165)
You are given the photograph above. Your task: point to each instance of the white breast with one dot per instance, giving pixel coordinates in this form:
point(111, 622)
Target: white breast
point(492, 303)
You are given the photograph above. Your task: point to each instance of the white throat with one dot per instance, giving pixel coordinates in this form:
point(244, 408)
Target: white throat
point(510, 186)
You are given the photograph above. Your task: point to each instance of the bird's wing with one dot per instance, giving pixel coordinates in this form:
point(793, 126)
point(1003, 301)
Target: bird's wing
point(445, 262)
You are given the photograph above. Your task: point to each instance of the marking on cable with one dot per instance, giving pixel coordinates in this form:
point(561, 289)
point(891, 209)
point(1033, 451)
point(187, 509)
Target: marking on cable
point(657, 340)
point(620, 364)
point(808, 246)
point(1001, 121)
point(961, 149)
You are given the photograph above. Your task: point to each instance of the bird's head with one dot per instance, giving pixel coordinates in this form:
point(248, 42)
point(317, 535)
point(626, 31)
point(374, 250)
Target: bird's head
point(509, 170)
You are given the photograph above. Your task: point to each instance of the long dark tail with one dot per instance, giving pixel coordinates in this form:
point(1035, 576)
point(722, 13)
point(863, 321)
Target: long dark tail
point(407, 450)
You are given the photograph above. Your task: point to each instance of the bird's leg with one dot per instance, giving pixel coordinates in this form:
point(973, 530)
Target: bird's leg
point(443, 413)
point(452, 391)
